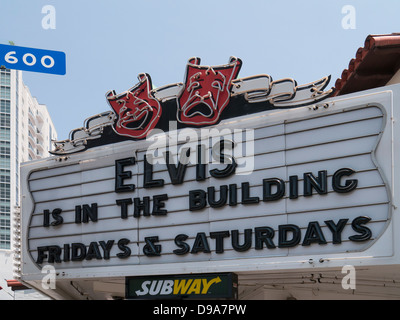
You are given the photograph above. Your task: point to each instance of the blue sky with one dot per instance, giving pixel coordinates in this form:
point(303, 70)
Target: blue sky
point(108, 43)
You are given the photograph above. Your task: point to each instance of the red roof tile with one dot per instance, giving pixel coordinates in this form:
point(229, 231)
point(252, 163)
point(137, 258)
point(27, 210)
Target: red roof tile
point(374, 64)
point(16, 285)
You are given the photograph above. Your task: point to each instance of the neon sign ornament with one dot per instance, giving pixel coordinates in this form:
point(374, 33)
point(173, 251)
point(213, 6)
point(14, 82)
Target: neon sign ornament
point(208, 95)
point(206, 92)
point(137, 110)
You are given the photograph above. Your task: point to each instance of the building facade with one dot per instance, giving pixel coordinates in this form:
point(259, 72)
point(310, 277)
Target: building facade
point(26, 131)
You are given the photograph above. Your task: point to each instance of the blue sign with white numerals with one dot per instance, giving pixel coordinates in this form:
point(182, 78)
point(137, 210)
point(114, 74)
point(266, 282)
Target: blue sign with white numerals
point(30, 59)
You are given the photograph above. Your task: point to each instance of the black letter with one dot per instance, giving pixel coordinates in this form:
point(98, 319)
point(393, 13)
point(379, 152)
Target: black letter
point(54, 254)
point(158, 204)
point(232, 194)
point(41, 254)
point(197, 199)
point(223, 158)
point(121, 175)
point(89, 212)
point(247, 240)
point(267, 185)
point(349, 184)
point(313, 234)
point(75, 254)
point(200, 243)
point(219, 240)
point(46, 218)
point(124, 206)
point(319, 184)
point(67, 256)
point(150, 249)
point(93, 251)
point(357, 226)
point(141, 205)
point(293, 187)
point(148, 176)
point(336, 229)
point(126, 251)
point(264, 235)
point(106, 248)
point(177, 173)
point(78, 214)
point(223, 194)
point(56, 216)
point(179, 241)
point(246, 199)
point(200, 165)
point(283, 231)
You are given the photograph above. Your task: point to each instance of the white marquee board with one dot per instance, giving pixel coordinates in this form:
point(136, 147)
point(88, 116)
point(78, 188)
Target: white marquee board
point(353, 132)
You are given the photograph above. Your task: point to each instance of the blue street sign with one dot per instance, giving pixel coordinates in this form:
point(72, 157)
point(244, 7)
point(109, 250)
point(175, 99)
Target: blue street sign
point(30, 59)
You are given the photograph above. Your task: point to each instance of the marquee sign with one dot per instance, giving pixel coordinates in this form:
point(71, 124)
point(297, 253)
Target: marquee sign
point(217, 191)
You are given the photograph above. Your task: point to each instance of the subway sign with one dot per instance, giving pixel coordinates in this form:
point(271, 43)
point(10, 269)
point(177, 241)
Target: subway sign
point(193, 286)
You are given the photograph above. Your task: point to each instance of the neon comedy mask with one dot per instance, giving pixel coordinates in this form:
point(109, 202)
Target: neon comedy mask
point(137, 110)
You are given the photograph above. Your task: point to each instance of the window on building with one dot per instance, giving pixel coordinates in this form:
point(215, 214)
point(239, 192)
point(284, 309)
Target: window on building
point(5, 92)
point(5, 79)
point(5, 106)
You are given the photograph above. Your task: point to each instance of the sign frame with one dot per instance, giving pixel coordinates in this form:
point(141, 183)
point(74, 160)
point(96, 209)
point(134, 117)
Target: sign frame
point(106, 151)
point(380, 252)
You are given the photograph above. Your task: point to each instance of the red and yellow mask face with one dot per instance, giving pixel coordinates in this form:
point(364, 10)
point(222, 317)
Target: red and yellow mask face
point(137, 110)
point(206, 92)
